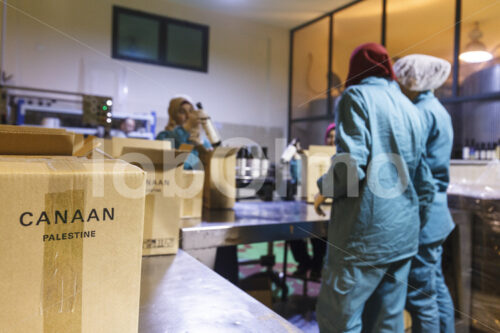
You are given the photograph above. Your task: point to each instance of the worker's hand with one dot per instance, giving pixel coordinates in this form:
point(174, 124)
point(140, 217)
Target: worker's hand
point(202, 115)
point(201, 147)
point(318, 201)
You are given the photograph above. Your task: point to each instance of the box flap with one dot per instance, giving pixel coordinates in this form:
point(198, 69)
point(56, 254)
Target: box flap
point(165, 157)
point(222, 152)
point(185, 146)
point(31, 129)
point(117, 145)
point(78, 142)
point(48, 165)
point(86, 147)
point(330, 150)
point(19, 140)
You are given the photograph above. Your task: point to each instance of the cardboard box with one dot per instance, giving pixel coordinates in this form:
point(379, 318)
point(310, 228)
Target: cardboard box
point(114, 146)
point(19, 140)
point(407, 321)
point(163, 203)
point(79, 142)
point(70, 246)
point(219, 191)
point(315, 162)
point(191, 183)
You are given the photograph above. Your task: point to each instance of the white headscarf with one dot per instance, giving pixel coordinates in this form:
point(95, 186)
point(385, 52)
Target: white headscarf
point(186, 97)
point(420, 72)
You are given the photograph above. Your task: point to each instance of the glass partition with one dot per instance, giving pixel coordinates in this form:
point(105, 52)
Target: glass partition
point(480, 47)
point(310, 69)
point(407, 27)
point(426, 27)
point(361, 23)
point(310, 132)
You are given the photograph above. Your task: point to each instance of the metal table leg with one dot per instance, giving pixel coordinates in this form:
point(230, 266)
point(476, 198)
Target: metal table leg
point(284, 295)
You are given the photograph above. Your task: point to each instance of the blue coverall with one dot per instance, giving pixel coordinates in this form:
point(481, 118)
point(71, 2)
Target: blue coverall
point(429, 301)
point(166, 135)
point(378, 180)
point(180, 136)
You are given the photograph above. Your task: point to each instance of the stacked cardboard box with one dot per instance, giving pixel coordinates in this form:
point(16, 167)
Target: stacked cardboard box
point(315, 162)
point(191, 183)
point(70, 246)
point(163, 166)
point(219, 191)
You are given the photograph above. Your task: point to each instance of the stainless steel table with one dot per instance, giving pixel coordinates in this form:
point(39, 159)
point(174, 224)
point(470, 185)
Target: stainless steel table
point(180, 294)
point(251, 222)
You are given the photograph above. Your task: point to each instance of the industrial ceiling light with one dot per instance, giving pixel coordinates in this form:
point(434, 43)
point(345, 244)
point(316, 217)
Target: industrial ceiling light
point(475, 51)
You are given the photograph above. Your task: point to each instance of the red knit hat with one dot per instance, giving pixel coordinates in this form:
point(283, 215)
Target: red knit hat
point(370, 59)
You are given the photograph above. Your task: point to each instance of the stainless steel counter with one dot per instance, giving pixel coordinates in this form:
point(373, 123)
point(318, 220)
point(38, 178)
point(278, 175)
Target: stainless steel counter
point(180, 294)
point(251, 222)
point(469, 162)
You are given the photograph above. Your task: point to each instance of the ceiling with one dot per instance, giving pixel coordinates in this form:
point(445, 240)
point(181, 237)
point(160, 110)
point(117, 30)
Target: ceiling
point(283, 13)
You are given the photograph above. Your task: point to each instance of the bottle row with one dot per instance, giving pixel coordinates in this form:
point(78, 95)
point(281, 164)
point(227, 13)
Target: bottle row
point(252, 162)
point(484, 151)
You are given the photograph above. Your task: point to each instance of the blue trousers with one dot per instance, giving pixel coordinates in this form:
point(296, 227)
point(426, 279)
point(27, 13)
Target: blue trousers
point(363, 298)
point(429, 301)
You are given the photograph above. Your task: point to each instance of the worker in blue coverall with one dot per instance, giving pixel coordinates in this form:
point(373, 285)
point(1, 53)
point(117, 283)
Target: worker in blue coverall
point(177, 115)
point(184, 128)
point(380, 183)
point(429, 301)
point(299, 246)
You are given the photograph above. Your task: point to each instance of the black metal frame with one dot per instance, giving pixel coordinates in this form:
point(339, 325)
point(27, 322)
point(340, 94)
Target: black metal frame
point(330, 63)
point(164, 23)
point(383, 33)
point(456, 48)
point(454, 99)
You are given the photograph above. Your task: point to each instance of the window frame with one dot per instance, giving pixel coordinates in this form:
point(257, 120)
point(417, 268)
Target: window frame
point(164, 22)
point(455, 98)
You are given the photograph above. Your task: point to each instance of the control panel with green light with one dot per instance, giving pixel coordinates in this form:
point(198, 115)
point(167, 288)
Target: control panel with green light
point(97, 110)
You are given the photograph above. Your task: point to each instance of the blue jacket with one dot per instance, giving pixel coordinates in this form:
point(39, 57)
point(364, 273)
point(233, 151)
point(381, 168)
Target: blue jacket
point(375, 216)
point(438, 146)
point(181, 136)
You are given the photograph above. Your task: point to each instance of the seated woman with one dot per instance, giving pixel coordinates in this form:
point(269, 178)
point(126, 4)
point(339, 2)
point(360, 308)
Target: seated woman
point(187, 130)
point(177, 116)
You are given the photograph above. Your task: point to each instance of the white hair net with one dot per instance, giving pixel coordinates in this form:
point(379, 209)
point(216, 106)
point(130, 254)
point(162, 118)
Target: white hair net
point(419, 72)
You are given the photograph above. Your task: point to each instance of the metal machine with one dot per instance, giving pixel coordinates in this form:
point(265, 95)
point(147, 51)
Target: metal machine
point(79, 113)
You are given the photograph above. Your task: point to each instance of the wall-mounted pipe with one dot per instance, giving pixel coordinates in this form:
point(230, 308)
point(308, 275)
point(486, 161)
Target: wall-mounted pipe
point(50, 91)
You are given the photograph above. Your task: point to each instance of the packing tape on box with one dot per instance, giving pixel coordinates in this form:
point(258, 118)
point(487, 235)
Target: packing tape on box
point(62, 286)
point(58, 287)
point(63, 259)
point(148, 220)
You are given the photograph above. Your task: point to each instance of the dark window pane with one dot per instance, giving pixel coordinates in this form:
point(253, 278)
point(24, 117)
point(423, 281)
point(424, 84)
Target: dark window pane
point(478, 121)
point(184, 46)
point(455, 111)
point(310, 70)
point(480, 47)
point(426, 27)
point(138, 37)
point(310, 132)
